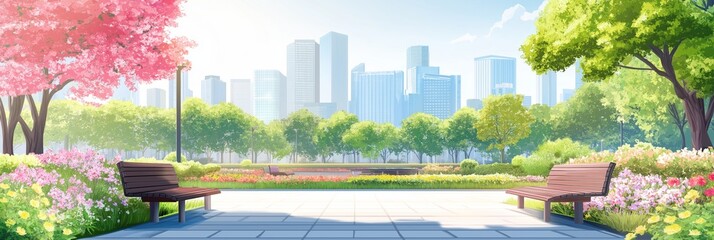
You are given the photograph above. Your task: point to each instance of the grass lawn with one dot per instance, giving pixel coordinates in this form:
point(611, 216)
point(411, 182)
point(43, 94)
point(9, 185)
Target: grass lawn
point(330, 165)
point(347, 185)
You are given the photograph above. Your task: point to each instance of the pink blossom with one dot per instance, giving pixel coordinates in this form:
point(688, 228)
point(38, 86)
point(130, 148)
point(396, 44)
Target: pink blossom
point(673, 181)
point(697, 181)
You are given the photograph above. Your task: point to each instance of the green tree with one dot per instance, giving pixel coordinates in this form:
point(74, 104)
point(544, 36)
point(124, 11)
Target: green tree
point(117, 125)
point(195, 123)
point(400, 144)
point(271, 140)
point(300, 128)
point(504, 121)
point(585, 118)
point(155, 129)
point(329, 134)
point(421, 132)
point(608, 35)
point(364, 137)
point(459, 133)
point(389, 136)
point(67, 123)
point(231, 129)
point(541, 131)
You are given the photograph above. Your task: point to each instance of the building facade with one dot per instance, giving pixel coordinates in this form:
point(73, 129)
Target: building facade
point(441, 94)
point(474, 103)
point(567, 94)
point(270, 95)
point(242, 94)
point(213, 90)
point(546, 88)
point(333, 70)
point(156, 97)
point(303, 74)
point(417, 56)
point(494, 75)
point(378, 96)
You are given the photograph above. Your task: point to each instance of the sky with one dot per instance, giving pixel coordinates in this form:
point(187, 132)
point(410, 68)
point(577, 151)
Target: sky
point(236, 37)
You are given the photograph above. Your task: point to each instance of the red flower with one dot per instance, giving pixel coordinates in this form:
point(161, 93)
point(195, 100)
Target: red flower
point(697, 181)
point(711, 176)
point(673, 182)
point(709, 192)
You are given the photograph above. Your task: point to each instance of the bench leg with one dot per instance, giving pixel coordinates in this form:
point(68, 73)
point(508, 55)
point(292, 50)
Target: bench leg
point(546, 211)
point(521, 201)
point(154, 211)
point(207, 203)
point(182, 211)
point(578, 212)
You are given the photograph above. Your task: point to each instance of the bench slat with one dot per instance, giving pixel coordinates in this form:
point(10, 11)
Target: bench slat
point(150, 178)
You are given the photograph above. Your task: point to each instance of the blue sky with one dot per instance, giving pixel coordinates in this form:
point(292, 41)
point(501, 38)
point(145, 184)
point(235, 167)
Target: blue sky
point(236, 37)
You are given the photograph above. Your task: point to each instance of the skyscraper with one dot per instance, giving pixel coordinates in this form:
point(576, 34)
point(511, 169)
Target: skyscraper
point(567, 94)
point(441, 94)
point(413, 76)
point(213, 90)
point(270, 95)
point(546, 88)
point(474, 103)
point(156, 97)
point(242, 94)
point(527, 101)
point(417, 56)
point(185, 91)
point(578, 75)
point(333, 70)
point(303, 74)
point(378, 96)
point(494, 75)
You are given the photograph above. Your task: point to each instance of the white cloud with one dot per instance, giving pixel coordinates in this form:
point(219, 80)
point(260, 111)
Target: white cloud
point(464, 38)
point(516, 10)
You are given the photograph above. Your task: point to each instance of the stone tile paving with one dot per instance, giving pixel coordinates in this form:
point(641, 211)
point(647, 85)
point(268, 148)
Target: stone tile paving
point(373, 215)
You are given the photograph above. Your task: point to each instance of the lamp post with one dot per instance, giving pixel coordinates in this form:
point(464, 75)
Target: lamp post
point(178, 113)
point(252, 150)
point(296, 145)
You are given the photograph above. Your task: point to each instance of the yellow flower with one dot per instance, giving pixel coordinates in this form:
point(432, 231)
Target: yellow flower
point(45, 201)
point(640, 230)
point(66, 231)
point(694, 232)
point(22, 190)
point(37, 188)
point(659, 208)
point(4, 186)
point(49, 226)
point(20, 231)
point(692, 195)
point(653, 219)
point(10, 222)
point(42, 216)
point(672, 229)
point(630, 236)
point(23, 214)
point(700, 221)
point(670, 219)
point(53, 217)
point(3, 200)
point(12, 194)
point(685, 214)
point(35, 203)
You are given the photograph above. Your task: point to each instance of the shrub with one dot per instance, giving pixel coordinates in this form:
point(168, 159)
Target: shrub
point(494, 168)
point(8, 163)
point(188, 169)
point(518, 160)
point(439, 179)
point(432, 168)
point(468, 165)
point(537, 165)
point(562, 150)
point(171, 157)
point(246, 163)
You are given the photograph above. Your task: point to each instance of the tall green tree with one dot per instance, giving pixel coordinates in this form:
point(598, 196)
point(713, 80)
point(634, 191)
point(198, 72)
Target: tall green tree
point(195, 123)
point(421, 131)
point(231, 129)
point(364, 137)
point(300, 129)
point(271, 140)
point(68, 124)
point(504, 121)
point(329, 134)
point(585, 118)
point(541, 131)
point(389, 136)
point(459, 133)
point(608, 35)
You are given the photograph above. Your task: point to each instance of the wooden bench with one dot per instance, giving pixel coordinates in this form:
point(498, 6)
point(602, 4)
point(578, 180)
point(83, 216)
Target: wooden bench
point(273, 170)
point(575, 183)
point(156, 183)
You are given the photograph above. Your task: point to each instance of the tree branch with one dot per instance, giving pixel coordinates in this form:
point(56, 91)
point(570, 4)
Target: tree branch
point(656, 50)
point(634, 68)
point(651, 65)
point(25, 129)
point(60, 87)
point(33, 106)
point(674, 49)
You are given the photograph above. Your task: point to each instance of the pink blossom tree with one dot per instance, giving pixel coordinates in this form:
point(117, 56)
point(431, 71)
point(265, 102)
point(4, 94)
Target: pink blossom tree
point(46, 45)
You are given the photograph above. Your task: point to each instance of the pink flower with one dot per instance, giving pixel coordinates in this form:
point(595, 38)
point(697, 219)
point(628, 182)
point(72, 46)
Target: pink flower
point(673, 182)
point(697, 181)
point(711, 176)
point(709, 192)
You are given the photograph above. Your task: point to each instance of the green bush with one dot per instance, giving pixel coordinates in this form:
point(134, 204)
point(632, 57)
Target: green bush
point(432, 168)
point(562, 150)
point(171, 157)
point(518, 160)
point(8, 163)
point(468, 165)
point(187, 169)
point(495, 168)
point(246, 163)
point(538, 165)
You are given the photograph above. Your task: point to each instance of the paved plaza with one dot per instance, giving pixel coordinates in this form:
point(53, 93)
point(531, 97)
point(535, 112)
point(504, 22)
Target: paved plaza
point(377, 214)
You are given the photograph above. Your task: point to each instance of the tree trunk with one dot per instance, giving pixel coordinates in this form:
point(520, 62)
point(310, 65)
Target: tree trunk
point(698, 121)
point(420, 156)
point(503, 155)
point(622, 133)
point(9, 122)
